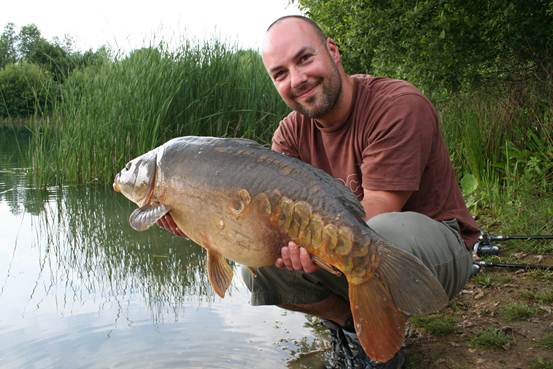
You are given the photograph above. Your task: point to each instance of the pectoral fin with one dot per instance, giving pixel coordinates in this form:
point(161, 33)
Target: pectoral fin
point(145, 216)
point(219, 272)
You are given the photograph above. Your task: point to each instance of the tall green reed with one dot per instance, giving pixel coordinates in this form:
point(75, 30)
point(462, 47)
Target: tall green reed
point(111, 113)
point(503, 136)
point(497, 133)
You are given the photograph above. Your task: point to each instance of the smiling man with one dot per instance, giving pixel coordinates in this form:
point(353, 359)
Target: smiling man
point(381, 138)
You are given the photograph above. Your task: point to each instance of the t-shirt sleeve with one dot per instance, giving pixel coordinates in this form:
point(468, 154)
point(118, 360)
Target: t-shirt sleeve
point(284, 139)
point(396, 151)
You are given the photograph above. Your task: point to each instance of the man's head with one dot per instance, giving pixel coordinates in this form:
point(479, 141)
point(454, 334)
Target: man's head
point(304, 65)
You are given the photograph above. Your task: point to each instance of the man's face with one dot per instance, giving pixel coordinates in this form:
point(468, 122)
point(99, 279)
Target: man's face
point(302, 67)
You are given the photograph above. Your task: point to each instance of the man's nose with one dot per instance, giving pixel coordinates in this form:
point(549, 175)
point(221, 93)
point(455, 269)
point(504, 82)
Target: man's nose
point(297, 78)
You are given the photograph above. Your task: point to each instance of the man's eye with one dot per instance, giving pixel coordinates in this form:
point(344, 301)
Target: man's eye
point(277, 76)
point(305, 58)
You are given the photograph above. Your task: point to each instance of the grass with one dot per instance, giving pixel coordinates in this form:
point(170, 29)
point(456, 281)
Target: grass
point(518, 311)
point(502, 136)
point(541, 275)
point(547, 341)
point(541, 363)
point(436, 325)
point(541, 297)
point(113, 112)
point(491, 338)
point(487, 280)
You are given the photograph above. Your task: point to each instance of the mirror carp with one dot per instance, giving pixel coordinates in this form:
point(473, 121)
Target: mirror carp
point(239, 200)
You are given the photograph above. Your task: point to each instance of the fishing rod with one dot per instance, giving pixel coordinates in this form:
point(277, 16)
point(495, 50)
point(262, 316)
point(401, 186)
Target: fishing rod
point(484, 263)
point(486, 247)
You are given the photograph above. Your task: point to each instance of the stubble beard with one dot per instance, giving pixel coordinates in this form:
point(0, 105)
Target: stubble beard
point(331, 91)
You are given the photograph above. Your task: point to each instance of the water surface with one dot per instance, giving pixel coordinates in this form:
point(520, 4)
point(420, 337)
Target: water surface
point(80, 289)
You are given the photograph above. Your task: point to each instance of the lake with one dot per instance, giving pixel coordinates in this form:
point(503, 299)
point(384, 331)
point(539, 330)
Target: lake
point(80, 289)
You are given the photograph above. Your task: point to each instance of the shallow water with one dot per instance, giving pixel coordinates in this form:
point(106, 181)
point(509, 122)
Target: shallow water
point(80, 289)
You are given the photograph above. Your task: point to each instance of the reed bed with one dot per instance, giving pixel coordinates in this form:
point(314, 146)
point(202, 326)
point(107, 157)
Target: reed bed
point(113, 112)
point(501, 136)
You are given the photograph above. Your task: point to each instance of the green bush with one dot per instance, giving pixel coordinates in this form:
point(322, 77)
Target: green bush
point(441, 46)
point(25, 89)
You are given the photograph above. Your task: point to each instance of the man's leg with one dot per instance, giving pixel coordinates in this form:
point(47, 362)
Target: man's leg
point(437, 244)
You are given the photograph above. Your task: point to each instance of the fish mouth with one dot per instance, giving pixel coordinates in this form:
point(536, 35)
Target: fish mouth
point(115, 185)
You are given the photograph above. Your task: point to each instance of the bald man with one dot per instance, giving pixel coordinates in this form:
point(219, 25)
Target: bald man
point(381, 138)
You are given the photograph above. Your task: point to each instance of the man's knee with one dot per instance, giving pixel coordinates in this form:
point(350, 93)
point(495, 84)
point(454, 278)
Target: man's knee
point(437, 244)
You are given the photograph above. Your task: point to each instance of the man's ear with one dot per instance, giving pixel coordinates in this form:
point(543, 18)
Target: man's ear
point(333, 50)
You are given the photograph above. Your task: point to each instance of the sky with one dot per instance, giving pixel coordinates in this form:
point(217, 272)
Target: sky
point(125, 25)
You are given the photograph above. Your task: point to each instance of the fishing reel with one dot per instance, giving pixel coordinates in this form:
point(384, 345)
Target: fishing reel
point(485, 247)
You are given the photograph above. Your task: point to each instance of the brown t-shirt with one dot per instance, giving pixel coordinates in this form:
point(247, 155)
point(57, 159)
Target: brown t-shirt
point(390, 141)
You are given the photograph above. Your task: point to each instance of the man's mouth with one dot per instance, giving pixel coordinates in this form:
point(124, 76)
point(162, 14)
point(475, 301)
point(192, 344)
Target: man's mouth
point(306, 92)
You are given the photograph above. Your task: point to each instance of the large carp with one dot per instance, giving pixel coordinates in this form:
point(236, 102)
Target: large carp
point(242, 201)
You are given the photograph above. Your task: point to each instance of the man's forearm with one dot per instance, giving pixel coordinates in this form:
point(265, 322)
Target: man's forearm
point(378, 202)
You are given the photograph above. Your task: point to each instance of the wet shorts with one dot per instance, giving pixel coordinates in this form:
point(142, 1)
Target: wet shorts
point(437, 244)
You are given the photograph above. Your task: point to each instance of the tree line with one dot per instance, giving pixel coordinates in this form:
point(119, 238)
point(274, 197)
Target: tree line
point(33, 69)
point(442, 46)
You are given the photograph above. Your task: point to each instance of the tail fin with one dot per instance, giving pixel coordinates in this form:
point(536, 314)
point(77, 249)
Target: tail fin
point(401, 285)
point(414, 288)
point(379, 324)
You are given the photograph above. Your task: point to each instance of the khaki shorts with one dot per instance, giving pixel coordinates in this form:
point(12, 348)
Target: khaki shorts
point(437, 244)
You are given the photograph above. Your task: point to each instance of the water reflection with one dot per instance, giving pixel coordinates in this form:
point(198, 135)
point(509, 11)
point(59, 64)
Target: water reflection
point(76, 280)
point(90, 244)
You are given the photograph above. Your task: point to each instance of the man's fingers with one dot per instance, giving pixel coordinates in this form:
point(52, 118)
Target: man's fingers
point(285, 253)
point(306, 262)
point(295, 256)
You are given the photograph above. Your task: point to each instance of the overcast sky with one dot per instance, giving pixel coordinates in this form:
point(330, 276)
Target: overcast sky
point(125, 25)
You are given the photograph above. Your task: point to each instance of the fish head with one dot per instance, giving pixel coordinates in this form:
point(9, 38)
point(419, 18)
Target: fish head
point(137, 180)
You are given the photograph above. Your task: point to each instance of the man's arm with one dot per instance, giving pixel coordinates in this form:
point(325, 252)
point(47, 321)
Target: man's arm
point(294, 257)
point(378, 202)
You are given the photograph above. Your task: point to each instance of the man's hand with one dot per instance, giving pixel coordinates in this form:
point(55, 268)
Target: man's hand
point(294, 257)
point(167, 223)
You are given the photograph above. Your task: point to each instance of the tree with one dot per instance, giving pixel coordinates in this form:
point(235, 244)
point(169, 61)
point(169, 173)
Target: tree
point(25, 89)
point(29, 39)
point(8, 44)
point(440, 44)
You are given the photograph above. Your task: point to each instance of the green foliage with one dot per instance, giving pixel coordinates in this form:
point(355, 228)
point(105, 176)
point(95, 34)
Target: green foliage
point(114, 111)
point(517, 311)
point(437, 325)
point(547, 341)
point(8, 51)
point(502, 139)
point(25, 89)
point(491, 338)
point(542, 297)
point(440, 45)
point(541, 363)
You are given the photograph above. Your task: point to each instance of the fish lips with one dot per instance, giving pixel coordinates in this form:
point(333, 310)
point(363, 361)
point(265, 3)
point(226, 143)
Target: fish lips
point(137, 180)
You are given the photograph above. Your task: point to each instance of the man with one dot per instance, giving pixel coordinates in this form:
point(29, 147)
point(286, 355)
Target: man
point(381, 138)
